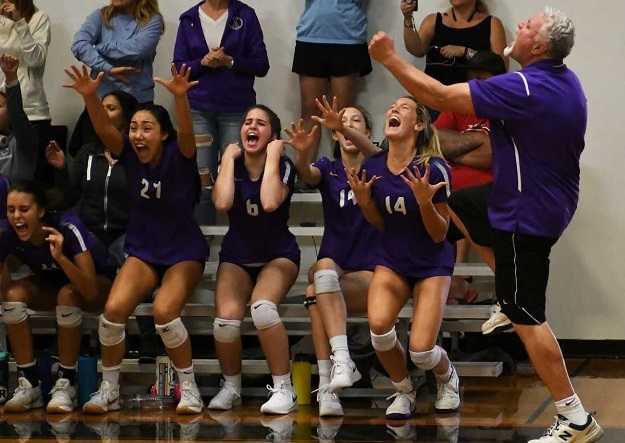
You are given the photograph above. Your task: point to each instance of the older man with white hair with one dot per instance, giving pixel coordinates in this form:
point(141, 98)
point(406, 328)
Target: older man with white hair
point(538, 122)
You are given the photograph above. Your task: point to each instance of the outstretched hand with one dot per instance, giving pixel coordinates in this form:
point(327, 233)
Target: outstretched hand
point(299, 138)
point(179, 82)
point(82, 81)
point(331, 117)
point(420, 185)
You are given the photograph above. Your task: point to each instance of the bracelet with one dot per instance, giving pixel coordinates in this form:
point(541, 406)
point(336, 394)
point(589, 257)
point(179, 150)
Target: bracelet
point(410, 24)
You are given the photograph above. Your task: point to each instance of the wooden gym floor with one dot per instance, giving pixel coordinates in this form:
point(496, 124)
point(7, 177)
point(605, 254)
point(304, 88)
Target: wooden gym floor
point(506, 409)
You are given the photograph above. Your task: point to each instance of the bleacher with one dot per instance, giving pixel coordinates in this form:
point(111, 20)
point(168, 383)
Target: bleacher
point(199, 312)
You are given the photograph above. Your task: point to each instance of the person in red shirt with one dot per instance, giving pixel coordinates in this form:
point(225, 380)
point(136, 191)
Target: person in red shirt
point(465, 142)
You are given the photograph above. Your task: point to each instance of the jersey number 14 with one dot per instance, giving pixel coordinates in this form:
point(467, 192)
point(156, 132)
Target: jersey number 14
point(399, 206)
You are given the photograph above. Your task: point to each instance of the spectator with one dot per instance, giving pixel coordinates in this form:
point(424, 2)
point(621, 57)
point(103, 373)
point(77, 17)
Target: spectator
point(222, 42)
point(330, 53)
point(452, 36)
point(18, 141)
point(96, 182)
point(120, 40)
point(25, 34)
point(465, 143)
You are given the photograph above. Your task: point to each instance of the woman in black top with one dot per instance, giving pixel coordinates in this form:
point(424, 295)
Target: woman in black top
point(96, 183)
point(452, 37)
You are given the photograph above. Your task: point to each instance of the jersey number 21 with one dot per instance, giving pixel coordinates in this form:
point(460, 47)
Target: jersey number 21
point(145, 189)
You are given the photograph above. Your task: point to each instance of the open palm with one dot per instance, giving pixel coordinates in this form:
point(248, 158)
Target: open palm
point(330, 117)
point(82, 81)
point(301, 139)
point(179, 82)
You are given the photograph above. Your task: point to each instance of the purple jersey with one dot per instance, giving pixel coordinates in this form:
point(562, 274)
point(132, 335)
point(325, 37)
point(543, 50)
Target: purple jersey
point(161, 228)
point(256, 236)
point(348, 238)
point(407, 248)
point(76, 240)
point(538, 123)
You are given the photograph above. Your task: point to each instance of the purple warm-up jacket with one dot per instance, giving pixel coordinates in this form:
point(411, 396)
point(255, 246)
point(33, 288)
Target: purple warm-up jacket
point(223, 89)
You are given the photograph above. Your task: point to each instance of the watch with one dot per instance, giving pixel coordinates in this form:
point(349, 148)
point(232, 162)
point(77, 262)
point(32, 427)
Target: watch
point(231, 64)
point(469, 53)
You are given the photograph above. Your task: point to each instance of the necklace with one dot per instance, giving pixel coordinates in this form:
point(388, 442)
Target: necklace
point(453, 14)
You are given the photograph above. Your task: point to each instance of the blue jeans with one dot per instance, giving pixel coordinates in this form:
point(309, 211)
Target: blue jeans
point(213, 132)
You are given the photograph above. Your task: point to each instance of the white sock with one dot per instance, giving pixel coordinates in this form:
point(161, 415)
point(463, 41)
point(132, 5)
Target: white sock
point(572, 409)
point(234, 381)
point(282, 380)
point(339, 347)
point(185, 374)
point(324, 367)
point(404, 386)
point(111, 374)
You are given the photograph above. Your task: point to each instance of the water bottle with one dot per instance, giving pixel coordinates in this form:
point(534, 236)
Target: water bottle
point(44, 368)
point(87, 377)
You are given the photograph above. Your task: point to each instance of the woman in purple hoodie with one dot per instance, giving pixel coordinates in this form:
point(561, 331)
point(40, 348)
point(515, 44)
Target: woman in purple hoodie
point(222, 42)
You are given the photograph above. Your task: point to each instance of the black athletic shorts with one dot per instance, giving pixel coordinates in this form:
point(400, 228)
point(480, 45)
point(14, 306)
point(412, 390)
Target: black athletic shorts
point(521, 275)
point(326, 60)
point(471, 207)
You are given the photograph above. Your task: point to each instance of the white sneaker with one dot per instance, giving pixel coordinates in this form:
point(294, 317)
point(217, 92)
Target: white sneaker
point(329, 403)
point(562, 431)
point(498, 322)
point(190, 399)
point(282, 400)
point(343, 374)
point(448, 394)
point(63, 397)
point(103, 400)
point(25, 397)
point(226, 398)
point(402, 407)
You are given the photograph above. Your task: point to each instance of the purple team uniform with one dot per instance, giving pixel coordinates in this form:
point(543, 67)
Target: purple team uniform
point(538, 121)
point(256, 237)
point(407, 248)
point(161, 228)
point(76, 240)
point(348, 238)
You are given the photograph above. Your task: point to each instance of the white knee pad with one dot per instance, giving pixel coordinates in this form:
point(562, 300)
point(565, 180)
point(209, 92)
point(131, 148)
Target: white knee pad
point(226, 331)
point(173, 333)
point(384, 342)
point(110, 333)
point(14, 312)
point(264, 314)
point(427, 360)
point(68, 316)
point(326, 280)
